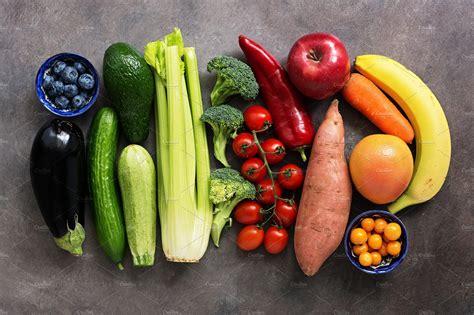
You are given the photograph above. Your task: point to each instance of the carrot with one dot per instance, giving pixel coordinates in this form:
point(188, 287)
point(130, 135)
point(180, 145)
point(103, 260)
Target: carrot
point(368, 99)
point(326, 197)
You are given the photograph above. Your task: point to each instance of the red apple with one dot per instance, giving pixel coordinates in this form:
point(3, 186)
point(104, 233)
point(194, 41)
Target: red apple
point(318, 65)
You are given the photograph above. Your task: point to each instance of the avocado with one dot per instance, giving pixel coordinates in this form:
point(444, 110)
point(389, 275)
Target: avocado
point(130, 86)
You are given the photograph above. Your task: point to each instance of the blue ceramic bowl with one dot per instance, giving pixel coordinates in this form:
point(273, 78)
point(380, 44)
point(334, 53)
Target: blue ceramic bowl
point(47, 103)
point(383, 268)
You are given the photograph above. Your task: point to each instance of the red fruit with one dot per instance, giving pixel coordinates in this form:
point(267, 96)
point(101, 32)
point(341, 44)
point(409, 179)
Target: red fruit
point(275, 240)
point(250, 237)
point(274, 149)
point(248, 212)
point(318, 65)
point(285, 213)
point(244, 146)
point(265, 192)
point(291, 177)
point(257, 118)
point(254, 170)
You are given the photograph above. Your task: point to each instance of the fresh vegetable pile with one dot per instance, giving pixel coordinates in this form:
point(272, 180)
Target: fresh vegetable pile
point(195, 203)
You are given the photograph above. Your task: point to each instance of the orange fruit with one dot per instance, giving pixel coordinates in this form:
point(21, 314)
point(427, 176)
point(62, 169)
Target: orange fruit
point(381, 167)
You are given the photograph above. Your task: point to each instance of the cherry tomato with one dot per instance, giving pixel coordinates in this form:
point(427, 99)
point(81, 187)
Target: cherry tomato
point(253, 170)
point(380, 225)
point(248, 212)
point(376, 258)
point(392, 231)
point(394, 248)
point(244, 146)
point(368, 224)
point(265, 191)
point(291, 177)
point(365, 259)
point(275, 240)
point(285, 213)
point(274, 149)
point(257, 118)
point(375, 241)
point(250, 237)
point(359, 249)
point(358, 236)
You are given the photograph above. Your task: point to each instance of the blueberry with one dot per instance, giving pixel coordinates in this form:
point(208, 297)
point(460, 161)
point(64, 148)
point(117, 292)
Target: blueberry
point(59, 67)
point(79, 67)
point(48, 82)
point(62, 101)
point(84, 94)
point(69, 75)
point(70, 90)
point(86, 81)
point(78, 101)
point(56, 89)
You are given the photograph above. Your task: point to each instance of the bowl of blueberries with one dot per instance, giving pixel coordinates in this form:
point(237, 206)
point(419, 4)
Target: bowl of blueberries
point(67, 84)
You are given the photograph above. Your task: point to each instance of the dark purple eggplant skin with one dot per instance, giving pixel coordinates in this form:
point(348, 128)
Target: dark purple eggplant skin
point(58, 175)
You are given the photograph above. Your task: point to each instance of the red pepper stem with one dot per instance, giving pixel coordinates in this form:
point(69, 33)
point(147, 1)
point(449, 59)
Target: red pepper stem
point(302, 153)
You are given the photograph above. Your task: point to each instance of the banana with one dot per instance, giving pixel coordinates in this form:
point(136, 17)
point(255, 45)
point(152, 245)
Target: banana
point(433, 140)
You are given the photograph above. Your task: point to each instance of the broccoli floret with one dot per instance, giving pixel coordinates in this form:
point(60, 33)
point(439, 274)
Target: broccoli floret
point(227, 189)
point(225, 120)
point(233, 77)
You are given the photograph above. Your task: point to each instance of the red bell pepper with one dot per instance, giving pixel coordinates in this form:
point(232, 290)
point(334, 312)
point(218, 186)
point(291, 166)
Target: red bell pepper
point(291, 121)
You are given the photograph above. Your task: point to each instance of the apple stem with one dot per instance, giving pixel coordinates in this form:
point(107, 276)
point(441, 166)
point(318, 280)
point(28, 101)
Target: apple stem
point(313, 56)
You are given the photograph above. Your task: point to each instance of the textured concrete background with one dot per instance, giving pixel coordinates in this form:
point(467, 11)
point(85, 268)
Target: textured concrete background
point(432, 38)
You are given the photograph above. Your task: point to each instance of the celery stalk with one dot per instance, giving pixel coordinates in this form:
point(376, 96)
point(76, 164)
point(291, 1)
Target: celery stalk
point(162, 150)
point(182, 157)
point(179, 198)
point(203, 166)
point(190, 146)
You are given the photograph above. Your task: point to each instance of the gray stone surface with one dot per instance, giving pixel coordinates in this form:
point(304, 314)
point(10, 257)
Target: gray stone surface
point(432, 38)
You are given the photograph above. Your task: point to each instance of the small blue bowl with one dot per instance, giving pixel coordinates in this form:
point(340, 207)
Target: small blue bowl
point(382, 269)
point(39, 82)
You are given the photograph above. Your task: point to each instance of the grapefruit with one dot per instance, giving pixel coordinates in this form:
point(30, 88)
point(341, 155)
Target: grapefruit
point(381, 167)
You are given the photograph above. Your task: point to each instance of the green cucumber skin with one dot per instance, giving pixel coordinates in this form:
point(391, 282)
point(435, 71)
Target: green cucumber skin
point(108, 217)
point(137, 179)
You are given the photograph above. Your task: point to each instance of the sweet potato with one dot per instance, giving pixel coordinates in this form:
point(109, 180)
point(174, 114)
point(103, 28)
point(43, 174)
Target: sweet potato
point(326, 197)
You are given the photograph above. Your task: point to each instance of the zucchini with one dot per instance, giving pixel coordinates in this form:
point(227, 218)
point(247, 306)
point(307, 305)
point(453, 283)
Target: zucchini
point(108, 217)
point(137, 179)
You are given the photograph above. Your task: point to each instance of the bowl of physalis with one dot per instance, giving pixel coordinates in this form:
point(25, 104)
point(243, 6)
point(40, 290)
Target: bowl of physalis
point(376, 242)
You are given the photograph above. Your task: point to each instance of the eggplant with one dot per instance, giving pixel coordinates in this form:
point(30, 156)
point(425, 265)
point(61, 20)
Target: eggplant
point(58, 177)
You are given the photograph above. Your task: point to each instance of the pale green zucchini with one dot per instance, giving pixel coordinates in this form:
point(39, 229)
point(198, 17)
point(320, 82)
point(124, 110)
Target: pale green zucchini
point(137, 180)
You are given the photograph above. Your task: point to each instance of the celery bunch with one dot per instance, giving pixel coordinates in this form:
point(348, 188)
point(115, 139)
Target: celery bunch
point(183, 165)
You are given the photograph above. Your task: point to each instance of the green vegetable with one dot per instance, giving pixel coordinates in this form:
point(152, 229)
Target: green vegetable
point(228, 188)
point(137, 179)
point(182, 153)
point(108, 217)
point(203, 166)
point(129, 83)
point(225, 120)
point(233, 77)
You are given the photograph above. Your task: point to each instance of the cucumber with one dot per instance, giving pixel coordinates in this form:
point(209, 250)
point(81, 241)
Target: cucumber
point(108, 217)
point(137, 179)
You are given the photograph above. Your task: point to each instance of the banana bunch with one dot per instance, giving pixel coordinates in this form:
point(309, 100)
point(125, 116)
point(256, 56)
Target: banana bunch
point(433, 140)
